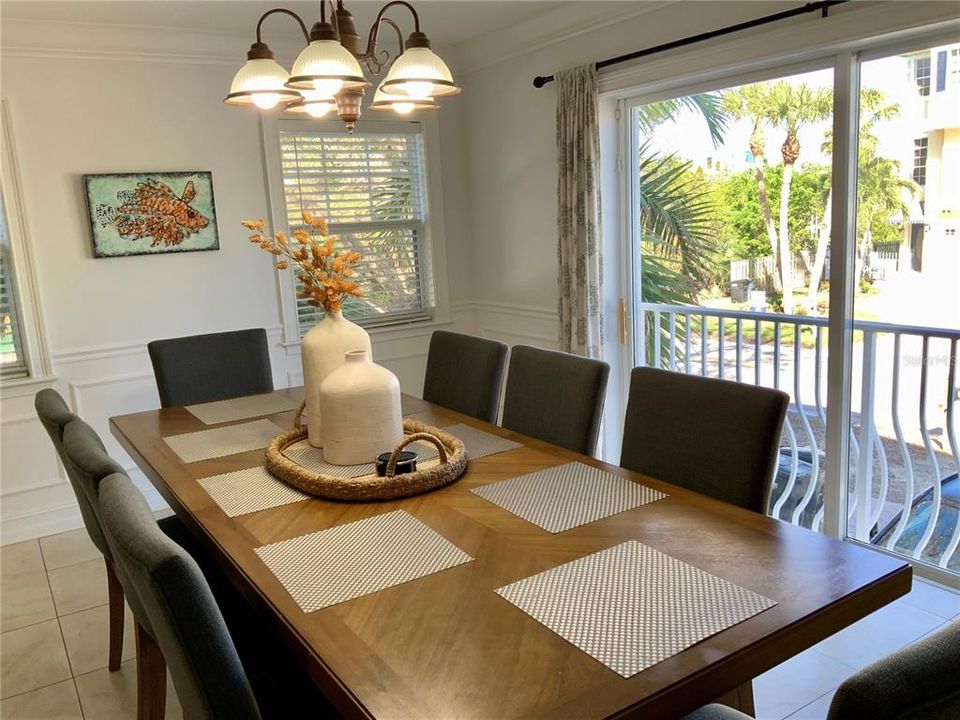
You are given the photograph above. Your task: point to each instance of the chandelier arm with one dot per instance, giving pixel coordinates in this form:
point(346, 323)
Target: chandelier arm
point(370, 56)
point(375, 28)
point(284, 11)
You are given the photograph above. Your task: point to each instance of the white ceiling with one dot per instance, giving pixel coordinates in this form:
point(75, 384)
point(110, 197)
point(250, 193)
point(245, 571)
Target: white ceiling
point(446, 23)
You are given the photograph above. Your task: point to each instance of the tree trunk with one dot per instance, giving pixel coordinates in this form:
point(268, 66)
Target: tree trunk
point(823, 242)
point(786, 257)
point(765, 211)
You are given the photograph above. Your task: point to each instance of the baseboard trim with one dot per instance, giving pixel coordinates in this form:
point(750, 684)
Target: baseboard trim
point(63, 518)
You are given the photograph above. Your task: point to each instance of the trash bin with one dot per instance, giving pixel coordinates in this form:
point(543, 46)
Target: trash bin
point(740, 290)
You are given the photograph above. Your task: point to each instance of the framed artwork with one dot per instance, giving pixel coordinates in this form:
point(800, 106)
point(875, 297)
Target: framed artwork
point(151, 213)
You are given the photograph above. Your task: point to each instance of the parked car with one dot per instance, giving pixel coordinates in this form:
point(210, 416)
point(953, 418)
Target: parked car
point(919, 517)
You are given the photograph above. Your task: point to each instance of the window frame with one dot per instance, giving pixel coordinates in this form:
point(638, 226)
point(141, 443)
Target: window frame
point(433, 242)
point(25, 285)
point(921, 149)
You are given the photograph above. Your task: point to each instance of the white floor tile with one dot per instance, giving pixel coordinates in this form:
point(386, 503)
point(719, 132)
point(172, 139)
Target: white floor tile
point(817, 710)
point(54, 702)
point(933, 598)
point(32, 657)
point(79, 587)
point(796, 683)
point(22, 557)
point(68, 548)
point(879, 634)
point(86, 635)
point(106, 695)
point(25, 599)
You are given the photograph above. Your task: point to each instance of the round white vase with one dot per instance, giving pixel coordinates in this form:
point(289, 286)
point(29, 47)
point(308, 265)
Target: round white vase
point(361, 411)
point(322, 351)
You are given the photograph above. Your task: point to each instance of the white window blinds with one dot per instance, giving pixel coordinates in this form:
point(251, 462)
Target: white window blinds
point(13, 363)
point(370, 188)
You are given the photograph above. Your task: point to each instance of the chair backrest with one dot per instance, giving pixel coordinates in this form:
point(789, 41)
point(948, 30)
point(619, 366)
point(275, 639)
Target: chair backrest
point(464, 373)
point(556, 397)
point(204, 368)
point(919, 682)
point(55, 417)
point(717, 437)
point(183, 615)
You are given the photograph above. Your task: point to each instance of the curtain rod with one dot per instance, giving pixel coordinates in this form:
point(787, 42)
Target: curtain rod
point(823, 6)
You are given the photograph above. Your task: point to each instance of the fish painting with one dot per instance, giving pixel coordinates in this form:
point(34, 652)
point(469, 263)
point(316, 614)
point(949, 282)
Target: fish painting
point(154, 211)
point(173, 211)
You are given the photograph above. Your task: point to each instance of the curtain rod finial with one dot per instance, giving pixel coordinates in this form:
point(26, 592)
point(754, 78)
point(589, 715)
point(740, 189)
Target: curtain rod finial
point(539, 81)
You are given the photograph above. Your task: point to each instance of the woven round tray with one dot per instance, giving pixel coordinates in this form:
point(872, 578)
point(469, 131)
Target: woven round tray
point(453, 461)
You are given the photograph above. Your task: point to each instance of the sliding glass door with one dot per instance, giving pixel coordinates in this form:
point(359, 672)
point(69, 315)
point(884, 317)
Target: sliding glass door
point(750, 239)
point(731, 204)
point(905, 490)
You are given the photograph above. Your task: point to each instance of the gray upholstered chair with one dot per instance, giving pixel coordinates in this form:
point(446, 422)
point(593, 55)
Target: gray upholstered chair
point(204, 368)
point(717, 437)
point(180, 625)
point(464, 373)
point(556, 397)
point(918, 682)
point(56, 417)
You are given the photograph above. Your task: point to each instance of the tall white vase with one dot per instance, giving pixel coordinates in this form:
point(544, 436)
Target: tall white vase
point(322, 351)
point(361, 411)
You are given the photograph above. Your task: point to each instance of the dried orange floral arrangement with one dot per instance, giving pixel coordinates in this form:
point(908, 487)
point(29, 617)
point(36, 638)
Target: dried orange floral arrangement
point(323, 271)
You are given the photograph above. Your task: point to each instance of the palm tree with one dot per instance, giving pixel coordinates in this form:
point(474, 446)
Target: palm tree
point(750, 102)
point(677, 243)
point(793, 106)
point(873, 108)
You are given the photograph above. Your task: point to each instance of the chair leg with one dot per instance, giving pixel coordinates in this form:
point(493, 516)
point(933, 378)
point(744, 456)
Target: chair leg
point(115, 599)
point(151, 678)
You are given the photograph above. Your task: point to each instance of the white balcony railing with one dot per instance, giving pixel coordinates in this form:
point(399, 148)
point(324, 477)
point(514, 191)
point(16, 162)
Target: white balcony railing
point(903, 435)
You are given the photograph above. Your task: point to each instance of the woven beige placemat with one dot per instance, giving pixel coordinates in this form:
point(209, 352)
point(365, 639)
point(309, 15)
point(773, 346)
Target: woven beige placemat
point(565, 496)
point(358, 558)
point(241, 408)
point(206, 444)
point(249, 490)
point(479, 443)
point(632, 606)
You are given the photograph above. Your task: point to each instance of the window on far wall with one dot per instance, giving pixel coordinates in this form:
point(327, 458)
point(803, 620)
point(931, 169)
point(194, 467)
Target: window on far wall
point(921, 74)
point(13, 362)
point(370, 186)
point(920, 161)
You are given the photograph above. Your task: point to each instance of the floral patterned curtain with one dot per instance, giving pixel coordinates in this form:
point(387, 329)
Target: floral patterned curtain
point(578, 212)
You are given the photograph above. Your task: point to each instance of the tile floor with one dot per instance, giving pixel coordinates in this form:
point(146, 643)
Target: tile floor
point(53, 646)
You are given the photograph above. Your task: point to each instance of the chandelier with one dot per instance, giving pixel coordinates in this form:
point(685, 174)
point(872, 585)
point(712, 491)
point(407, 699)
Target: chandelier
point(328, 74)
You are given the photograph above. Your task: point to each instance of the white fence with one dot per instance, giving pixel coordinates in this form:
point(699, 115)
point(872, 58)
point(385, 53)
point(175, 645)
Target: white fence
point(763, 272)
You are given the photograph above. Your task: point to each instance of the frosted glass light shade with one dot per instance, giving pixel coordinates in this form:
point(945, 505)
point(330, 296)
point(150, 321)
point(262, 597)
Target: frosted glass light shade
point(260, 82)
point(419, 73)
point(400, 104)
point(313, 108)
point(326, 67)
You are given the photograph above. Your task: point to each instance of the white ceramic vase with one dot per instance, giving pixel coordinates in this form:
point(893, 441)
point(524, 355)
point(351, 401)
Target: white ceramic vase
point(361, 411)
point(322, 351)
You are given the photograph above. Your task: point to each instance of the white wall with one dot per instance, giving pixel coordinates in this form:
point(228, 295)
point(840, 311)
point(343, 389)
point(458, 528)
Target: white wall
point(87, 99)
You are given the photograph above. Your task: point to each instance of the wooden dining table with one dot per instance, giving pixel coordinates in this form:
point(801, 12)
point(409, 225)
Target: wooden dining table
point(447, 646)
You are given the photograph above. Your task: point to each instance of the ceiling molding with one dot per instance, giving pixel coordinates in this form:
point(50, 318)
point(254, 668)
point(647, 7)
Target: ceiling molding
point(561, 25)
point(42, 39)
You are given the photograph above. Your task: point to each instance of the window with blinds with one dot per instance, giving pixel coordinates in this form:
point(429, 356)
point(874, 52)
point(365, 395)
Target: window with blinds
point(370, 188)
point(13, 363)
